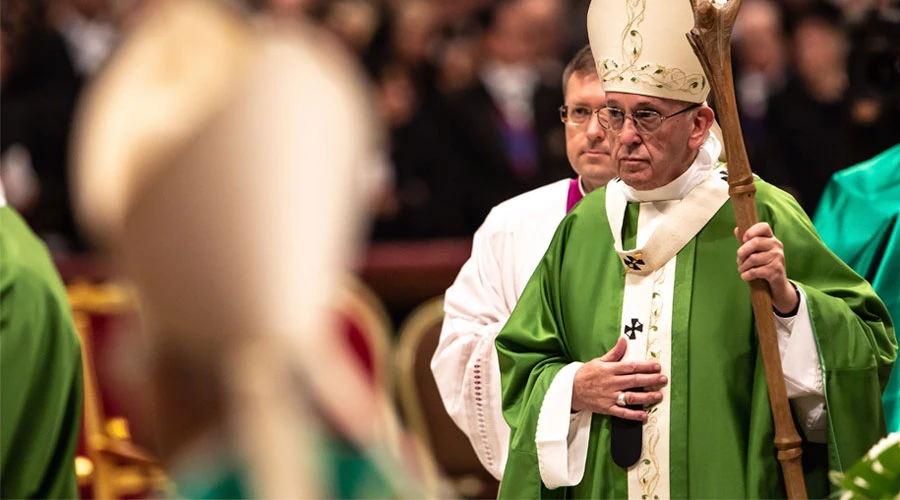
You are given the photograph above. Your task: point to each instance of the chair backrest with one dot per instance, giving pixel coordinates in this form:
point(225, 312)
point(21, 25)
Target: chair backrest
point(424, 410)
point(368, 328)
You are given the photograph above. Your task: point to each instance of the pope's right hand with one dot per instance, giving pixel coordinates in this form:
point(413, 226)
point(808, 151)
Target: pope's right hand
point(599, 381)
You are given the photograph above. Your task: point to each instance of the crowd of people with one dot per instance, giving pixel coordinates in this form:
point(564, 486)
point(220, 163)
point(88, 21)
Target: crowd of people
point(468, 94)
point(229, 155)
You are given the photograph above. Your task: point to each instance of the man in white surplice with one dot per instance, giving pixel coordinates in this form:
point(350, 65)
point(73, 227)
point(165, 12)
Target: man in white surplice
point(505, 251)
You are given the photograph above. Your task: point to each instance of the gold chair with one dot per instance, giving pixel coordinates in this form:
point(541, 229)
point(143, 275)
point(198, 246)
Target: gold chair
point(111, 465)
point(369, 332)
point(368, 329)
point(441, 440)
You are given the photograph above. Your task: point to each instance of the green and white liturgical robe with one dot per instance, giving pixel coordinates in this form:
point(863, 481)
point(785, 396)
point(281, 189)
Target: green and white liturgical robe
point(685, 305)
point(859, 219)
point(40, 370)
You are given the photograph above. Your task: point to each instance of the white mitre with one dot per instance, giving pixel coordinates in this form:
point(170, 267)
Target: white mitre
point(217, 158)
point(640, 47)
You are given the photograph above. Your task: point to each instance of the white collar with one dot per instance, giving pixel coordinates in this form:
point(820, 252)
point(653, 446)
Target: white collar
point(705, 162)
point(512, 87)
point(681, 221)
point(2, 195)
point(510, 78)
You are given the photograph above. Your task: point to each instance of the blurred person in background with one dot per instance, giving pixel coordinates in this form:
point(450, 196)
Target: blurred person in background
point(40, 368)
point(575, 29)
point(403, 59)
point(457, 65)
point(874, 78)
point(399, 56)
point(856, 10)
point(503, 130)
point(840, 106)
point(353, 21)
point(546, 22)
point(792, 11)
point(289, 10)
point(38, 88)
point(87, 27)
point(506, 250)
point(470, 106)
point(209, 174)
point(859, 219)
point(760, 65)
point(807, 123)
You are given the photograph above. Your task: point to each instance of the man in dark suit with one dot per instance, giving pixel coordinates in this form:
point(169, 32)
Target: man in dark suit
point(466, 151)
point(39, 89)
point(504, 129)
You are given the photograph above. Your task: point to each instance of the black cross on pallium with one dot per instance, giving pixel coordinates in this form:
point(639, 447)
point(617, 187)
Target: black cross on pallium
point(633, 263)
point(636, 326)
point(724, 175)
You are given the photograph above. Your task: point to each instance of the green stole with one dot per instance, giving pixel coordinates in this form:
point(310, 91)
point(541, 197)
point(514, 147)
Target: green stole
point(721, 432)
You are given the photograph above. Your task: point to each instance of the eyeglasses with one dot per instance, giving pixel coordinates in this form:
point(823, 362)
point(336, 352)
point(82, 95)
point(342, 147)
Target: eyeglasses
point(645, 121)
point(579, 115)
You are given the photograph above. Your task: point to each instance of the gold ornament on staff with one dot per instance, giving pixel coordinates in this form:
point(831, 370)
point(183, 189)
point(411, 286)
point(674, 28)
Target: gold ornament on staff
point(710, 38)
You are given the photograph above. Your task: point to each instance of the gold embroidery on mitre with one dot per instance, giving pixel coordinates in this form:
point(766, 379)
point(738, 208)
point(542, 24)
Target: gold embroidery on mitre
point(651, 74)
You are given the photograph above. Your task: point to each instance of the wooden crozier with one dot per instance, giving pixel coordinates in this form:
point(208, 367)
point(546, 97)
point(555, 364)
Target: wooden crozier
point(710, 38)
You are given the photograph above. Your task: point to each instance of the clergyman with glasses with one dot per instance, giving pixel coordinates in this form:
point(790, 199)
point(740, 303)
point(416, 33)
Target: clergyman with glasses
point(630, 366)
point(505, 251)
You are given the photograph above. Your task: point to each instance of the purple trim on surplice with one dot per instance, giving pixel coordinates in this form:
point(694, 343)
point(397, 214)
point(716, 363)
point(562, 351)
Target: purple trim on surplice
point(574, 195)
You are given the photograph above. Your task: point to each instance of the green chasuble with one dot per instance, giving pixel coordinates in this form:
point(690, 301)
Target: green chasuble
point(720, 432)
point(859, 219)
point(40, 370)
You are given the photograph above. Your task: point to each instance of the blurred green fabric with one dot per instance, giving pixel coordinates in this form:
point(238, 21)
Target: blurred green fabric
point(859, 219)
point(40, 370)
point(347, 473)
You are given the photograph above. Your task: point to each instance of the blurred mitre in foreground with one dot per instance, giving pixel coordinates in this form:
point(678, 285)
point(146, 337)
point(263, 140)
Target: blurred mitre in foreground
point(218, 160)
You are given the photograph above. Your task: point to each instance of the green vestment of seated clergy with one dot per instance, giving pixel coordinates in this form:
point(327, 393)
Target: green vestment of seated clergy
point(40, 370)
